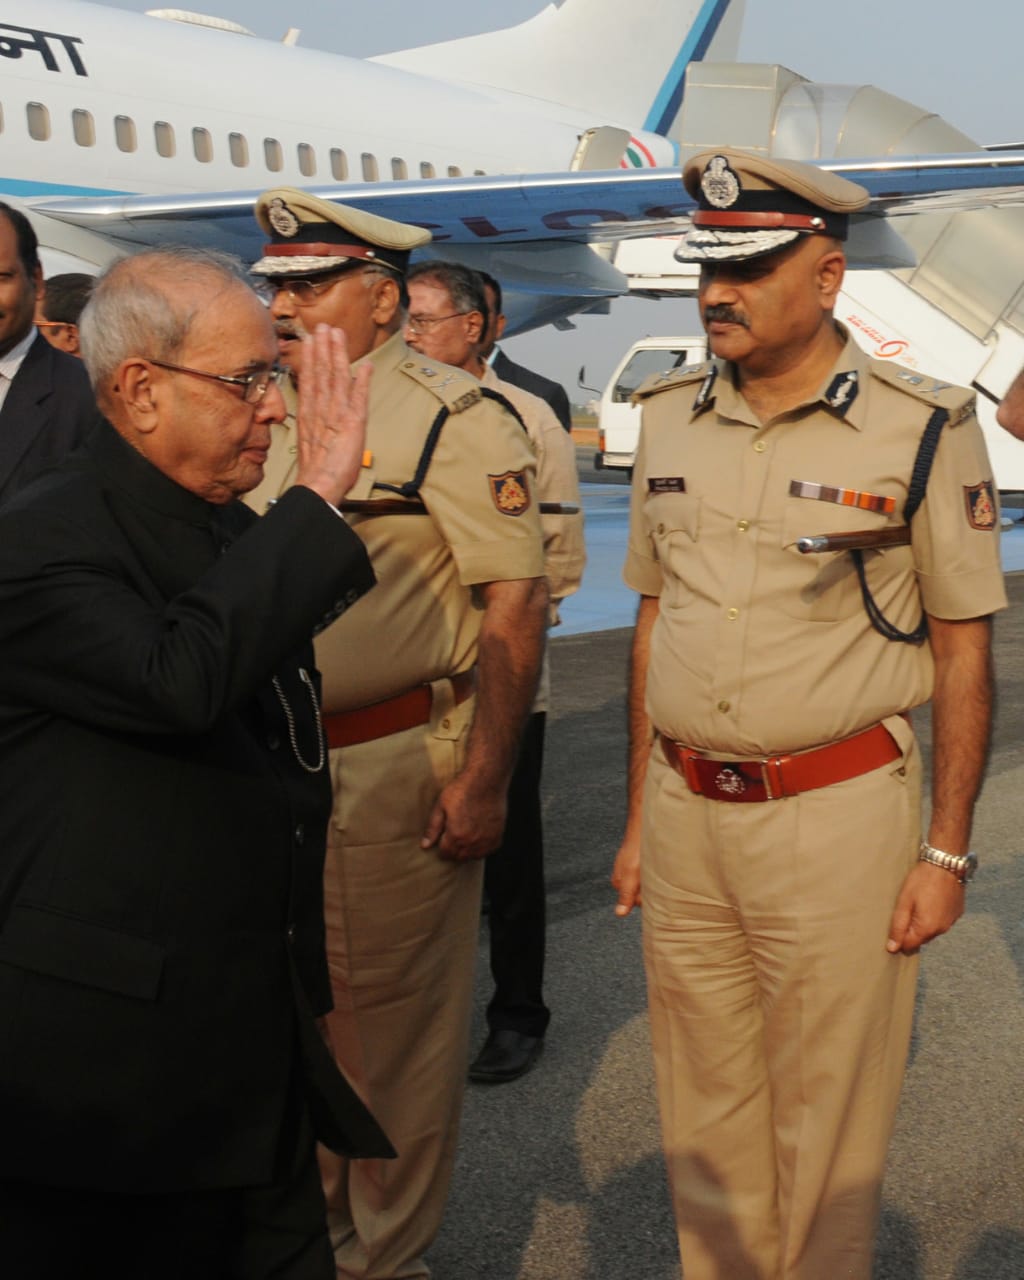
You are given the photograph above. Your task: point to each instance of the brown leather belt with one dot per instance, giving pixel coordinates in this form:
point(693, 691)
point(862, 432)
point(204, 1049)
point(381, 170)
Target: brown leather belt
point(393, 715)
point(773, 777)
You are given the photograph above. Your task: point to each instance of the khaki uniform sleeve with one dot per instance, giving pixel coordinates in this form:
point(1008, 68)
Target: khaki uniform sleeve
point(956, 530)
point(641, 571)
point(564, 551)
point(481, 490)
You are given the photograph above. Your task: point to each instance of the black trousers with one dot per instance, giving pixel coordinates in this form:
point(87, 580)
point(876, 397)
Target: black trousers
point(260, 1233)
point(514, 884)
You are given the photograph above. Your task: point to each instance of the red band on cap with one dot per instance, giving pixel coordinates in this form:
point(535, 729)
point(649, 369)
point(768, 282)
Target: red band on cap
point(318, 250)
point(784, 221)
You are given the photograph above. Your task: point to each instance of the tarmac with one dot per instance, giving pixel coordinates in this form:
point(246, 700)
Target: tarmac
point(559, 1174)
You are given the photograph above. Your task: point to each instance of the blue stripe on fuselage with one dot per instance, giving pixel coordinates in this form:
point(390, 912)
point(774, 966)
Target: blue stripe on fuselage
point(670, 95)
point(18, 187)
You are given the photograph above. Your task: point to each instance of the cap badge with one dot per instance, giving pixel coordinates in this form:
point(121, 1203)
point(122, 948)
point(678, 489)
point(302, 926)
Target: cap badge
point(720, 185)
point(281, 218)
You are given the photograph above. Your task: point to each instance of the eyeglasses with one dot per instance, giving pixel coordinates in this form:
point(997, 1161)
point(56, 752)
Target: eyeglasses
point(54, 324)
point(302, 292)
point(255, 383)
point(423, 324)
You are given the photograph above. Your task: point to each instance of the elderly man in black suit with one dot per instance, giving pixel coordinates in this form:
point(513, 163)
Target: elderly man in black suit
point(163, 803)
point(46, 405)
point(553, 393)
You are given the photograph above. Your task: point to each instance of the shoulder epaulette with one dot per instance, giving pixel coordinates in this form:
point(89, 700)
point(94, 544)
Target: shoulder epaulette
point(455, 390)
point(668, 380)
point(933, 393)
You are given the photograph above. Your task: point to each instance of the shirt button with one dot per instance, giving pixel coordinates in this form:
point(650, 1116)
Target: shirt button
point(661, 529)
point(743, 525)
point(760, 446)
point(300, 833)
point(723, 705)
point(446, 723)
point(732, 614)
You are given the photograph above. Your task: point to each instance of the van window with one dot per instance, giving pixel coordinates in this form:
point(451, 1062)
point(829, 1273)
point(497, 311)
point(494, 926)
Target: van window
point(163, 136)
point(640, 368)
point(38, 121)
point(124, 133)
point(83, 127)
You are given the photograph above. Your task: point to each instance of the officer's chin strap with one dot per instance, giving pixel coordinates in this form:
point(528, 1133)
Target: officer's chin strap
point(915, 495)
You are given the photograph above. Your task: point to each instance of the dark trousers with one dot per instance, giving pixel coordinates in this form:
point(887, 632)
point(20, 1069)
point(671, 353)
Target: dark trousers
point(261, 1233)
point(514, 884)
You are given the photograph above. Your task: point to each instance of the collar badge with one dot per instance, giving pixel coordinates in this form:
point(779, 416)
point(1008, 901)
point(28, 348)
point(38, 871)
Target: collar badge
point(281, 218)
point(842, 390)
point(706, 387)
point(720, 185)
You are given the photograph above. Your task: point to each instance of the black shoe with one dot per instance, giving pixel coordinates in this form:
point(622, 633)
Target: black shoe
point(506, 1055)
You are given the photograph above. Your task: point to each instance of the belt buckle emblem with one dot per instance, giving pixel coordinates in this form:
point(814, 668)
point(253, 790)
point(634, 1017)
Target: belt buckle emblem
point(730, 781)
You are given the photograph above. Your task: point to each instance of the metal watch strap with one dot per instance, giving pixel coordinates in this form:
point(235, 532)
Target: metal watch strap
point(962, 865)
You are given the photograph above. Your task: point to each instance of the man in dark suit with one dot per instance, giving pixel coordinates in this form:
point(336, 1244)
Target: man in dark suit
point(507, 370)
point(46, 404)
point(163, 803)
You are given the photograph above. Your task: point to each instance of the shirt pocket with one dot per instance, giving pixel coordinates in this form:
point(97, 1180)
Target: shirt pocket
point(826, 587)
point(673, 525)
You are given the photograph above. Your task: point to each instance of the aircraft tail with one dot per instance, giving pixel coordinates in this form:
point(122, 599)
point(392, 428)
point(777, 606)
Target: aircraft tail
point(620, 64)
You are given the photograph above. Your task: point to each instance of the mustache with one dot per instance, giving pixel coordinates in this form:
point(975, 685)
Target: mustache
point(721, 314)
point(289, 329)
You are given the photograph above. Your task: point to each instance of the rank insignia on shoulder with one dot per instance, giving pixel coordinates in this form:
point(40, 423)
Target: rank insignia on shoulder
point(981, 506)
point(510, 492)
point(842, 390)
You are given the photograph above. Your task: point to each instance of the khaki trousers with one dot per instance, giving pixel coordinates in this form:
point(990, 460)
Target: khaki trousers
point(780, 1024)
point(402, 934)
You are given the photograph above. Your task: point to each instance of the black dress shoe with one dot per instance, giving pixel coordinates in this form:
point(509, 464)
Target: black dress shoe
point(506, 1055)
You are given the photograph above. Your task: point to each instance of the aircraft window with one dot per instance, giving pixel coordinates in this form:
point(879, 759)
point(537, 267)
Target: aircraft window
point(399, 169)
point(479, 173)
point(370, 173)
point(38, 121)
point(427, 170)
point(202, 145)
point(124, 133)
point(640, 368)
point(272, 154)
point(239, 150)
point(339, 164)
point(454, 171)
point(83, 127)
point(307, 160)
point(163, 135)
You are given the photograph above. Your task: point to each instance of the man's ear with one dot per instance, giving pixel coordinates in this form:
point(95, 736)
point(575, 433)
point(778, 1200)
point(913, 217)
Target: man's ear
point(474, 322)
point(831, 267)
point(387, 300)
point(133, 387)
point(499, 328)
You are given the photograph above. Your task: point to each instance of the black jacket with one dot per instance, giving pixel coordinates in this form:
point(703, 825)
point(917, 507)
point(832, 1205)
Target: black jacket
point(49, 410)
point(549, 390)
point(161, 848)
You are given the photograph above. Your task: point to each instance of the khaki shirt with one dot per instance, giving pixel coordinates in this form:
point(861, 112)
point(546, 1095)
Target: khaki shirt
point(759, 648)
point(557, 481)
point(422, 620)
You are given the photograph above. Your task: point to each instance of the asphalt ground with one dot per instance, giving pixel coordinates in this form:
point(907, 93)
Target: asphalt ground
point(559, 1175)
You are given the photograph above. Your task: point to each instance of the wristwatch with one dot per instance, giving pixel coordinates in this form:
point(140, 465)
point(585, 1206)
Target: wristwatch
point(962, 865)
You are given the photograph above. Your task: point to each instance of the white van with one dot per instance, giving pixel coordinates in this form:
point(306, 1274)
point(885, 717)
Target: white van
point(618, 421)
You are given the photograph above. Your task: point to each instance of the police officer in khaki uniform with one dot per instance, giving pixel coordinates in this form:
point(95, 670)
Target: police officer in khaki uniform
point(447, 310)
point(425, 695)
point(774, 797)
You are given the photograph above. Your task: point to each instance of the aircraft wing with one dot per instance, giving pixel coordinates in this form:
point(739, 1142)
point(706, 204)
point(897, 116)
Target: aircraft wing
point(536, 231)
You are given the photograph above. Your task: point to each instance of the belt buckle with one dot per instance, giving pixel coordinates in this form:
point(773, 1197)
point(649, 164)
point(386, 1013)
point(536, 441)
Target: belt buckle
point(730, 780)
point(771, 776)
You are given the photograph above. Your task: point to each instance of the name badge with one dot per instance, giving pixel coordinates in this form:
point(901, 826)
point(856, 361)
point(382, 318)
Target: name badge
point(666, 484)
